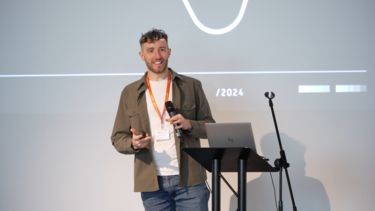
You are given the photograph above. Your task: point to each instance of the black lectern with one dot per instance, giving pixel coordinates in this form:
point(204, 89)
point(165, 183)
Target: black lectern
point(239, 160)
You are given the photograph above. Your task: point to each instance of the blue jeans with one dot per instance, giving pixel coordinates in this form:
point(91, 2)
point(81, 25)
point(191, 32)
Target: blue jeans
point(172, 197)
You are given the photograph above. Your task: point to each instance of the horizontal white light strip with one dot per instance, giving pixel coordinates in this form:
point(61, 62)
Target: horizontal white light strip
point(350, 88)
point(313, 89)
point(275, 72)
point(70, 75)
point(186, 73)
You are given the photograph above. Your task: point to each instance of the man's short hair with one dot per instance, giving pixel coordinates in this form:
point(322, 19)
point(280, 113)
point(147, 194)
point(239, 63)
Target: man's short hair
point(152, 36)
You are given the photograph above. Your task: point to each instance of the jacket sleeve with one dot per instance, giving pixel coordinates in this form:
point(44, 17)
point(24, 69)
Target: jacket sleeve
point(121, 136)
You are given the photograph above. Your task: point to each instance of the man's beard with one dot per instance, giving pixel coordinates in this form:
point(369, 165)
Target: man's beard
point(163, 69)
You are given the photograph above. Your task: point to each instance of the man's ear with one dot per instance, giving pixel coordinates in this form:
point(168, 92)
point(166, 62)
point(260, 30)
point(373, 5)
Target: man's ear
point(141, 55)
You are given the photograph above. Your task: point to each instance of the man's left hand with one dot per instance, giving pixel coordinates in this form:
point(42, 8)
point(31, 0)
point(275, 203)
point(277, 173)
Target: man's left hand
point(180, 122)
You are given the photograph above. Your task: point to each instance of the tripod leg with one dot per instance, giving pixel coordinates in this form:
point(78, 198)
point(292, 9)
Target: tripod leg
point(280, 190)
point(290, 190)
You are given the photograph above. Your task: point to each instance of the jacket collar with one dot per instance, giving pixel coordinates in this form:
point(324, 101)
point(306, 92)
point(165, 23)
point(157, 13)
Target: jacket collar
point(142, 85)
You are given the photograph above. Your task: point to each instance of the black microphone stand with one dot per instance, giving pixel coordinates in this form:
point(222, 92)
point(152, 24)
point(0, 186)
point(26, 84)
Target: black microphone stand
point(280, 163)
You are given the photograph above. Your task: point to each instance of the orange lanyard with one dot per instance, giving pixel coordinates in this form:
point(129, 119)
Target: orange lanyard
point(153, 98)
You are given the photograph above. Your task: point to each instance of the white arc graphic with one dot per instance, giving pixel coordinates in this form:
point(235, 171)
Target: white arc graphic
point(219, 31)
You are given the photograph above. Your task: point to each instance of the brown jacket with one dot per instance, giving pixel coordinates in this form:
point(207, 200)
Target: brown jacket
point(190, 101)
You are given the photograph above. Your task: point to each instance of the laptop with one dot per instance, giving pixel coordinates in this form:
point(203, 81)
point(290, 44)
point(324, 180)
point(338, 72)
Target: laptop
point(229, 135)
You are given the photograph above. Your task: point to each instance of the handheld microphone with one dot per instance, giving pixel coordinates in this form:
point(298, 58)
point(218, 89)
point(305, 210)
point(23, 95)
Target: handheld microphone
point(172, 111)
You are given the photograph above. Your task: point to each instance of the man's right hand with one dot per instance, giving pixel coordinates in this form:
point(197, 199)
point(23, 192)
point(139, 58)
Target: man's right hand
point(140, 140)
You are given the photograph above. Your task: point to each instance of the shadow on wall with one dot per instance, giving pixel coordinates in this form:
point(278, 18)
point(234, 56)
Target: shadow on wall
point(309, 193)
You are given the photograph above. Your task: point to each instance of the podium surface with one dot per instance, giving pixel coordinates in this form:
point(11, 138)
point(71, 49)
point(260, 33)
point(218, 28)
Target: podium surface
point(229, 158)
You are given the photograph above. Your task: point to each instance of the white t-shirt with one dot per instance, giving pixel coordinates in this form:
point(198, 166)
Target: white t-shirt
point(163, 150)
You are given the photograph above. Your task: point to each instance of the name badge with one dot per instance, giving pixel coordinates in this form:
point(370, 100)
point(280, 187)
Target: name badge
point(162, 135)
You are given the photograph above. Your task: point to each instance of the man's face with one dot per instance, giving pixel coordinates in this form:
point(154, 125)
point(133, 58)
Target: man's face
point(155, 55)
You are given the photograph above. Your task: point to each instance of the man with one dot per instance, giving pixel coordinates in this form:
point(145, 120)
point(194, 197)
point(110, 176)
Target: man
point(167, 177)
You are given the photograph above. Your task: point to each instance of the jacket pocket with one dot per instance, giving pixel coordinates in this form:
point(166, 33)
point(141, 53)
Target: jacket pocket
point(188, 111)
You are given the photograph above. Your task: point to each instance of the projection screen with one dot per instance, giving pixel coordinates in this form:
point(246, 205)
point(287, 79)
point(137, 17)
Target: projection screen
point(63, 65)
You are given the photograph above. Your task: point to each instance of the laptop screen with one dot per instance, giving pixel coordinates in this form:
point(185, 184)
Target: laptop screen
point(229, 135)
